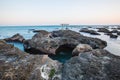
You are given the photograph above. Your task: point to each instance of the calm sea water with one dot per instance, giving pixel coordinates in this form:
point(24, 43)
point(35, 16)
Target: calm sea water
point(26, 32)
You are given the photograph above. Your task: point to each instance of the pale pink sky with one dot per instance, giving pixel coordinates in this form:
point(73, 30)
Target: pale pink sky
point(37, 12)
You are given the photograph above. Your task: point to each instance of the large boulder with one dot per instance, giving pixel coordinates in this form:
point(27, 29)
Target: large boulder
point(17, 38)
point(18, 65)
point(80, 49)
point(50, 43)
point(94, 65)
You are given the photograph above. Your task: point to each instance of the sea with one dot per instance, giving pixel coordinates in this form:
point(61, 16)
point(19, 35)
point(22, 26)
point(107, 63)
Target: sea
point(113, 45)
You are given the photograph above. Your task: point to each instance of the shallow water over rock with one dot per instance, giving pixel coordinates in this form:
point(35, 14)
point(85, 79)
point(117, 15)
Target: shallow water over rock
point(63, 53)
point(17, 44)
point(62, 56)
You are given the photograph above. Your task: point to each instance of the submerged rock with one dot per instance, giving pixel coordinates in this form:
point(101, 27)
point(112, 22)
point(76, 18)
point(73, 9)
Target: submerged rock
point(17, 37)
point(94, 65)
point(89, 31)
point(18, 65)
point(80, 49)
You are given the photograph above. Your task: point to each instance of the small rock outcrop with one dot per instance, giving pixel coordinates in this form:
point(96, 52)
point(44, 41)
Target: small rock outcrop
point(89, 31)
point(94, 65)
point(17, 38)
point(80, 49)
point(118, 33)
point(118, 27)
point(113, 36)
point(108, 33)
point(41, 31)
point(103, 30)
point(114, 31)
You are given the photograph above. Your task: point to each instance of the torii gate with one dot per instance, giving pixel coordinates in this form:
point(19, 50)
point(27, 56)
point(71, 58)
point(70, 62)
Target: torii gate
point(64, 25)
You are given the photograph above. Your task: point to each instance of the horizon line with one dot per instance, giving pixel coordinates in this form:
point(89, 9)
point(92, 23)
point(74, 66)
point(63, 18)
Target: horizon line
point(69, 25)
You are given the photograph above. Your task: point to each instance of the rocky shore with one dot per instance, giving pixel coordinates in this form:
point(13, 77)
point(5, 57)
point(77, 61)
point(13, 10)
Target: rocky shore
point(50, 43)
point(89, 60)
point(18, 65)
point(110, 33)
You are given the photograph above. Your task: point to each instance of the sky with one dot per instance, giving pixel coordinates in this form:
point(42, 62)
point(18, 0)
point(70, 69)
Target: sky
point(50, 12)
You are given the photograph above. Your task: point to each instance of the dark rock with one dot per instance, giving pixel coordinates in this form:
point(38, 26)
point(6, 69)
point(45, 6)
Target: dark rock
point(113, 36)
point(93, 42)
point(118, 28)
point(89, 27)
point(89, 31)
point(103, 30)
point(107, 27)
point(65, 33)
point(31, 29)
point(114, 31)
point(94, 65)
point(113, 28)
point(48, 45)
point(17, 37)
point(41, 31)
point(18, 65)
point(108, 33)
point(51, 43)
point(118, 33)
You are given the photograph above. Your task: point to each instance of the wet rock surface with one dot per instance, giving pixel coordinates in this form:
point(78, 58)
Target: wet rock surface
point(88, 63)
point(94, 65)
point(18, 65)
point(50, 43)
point(17, 38)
